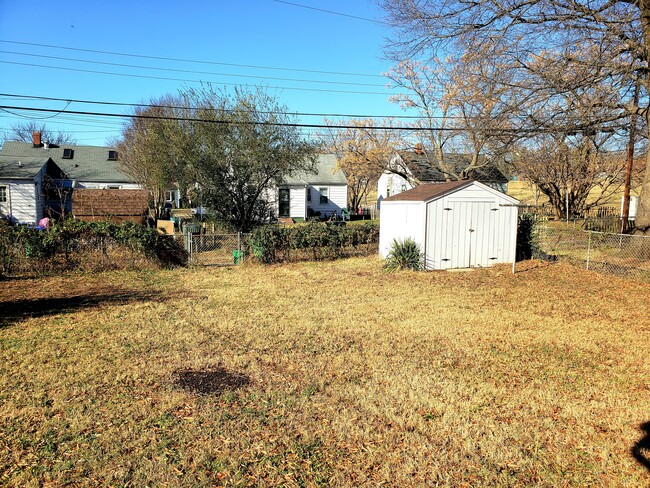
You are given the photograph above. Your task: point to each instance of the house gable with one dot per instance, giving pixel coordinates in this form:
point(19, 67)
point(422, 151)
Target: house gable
point(80, 163)
point(324, 190)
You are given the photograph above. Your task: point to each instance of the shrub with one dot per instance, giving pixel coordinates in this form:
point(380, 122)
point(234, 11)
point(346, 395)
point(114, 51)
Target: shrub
point(86, 246)
point(404, 254)
point(313, 240)
point(527, 237)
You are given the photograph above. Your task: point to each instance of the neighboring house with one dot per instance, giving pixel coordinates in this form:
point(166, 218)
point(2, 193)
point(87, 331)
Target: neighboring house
point(26, 189)
point(415, 166)
point(457, 224)
point(36, 176)
point(321, 192)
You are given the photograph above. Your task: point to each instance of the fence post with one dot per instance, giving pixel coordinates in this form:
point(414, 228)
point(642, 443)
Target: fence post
point(240, 255)
point(191, 241)
point(588, 250)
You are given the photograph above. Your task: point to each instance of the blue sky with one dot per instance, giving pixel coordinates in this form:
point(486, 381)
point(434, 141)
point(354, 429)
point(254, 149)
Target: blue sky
point(261, 36)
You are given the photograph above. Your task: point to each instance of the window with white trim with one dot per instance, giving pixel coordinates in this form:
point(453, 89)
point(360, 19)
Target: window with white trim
point(4, 192)
point(324, 195)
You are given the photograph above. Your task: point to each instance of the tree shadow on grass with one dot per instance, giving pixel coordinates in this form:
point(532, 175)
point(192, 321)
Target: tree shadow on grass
point(14, 311)
point(641, 450)
point(212, 381)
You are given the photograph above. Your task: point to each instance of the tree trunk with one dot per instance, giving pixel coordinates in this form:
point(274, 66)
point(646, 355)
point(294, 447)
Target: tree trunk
point(642, 221)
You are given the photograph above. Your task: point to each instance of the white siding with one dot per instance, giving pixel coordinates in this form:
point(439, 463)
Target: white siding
point(22, 204)
point(475, 226)
point(400, 220)
point(390, 184)
point(472, 227)
point(337, 199)
point(297, 196)
point(102, 185)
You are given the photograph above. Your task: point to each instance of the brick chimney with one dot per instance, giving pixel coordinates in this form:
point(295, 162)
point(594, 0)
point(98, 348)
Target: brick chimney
point(36, 139)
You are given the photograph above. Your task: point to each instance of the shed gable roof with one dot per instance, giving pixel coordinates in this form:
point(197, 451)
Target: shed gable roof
point(429, 191)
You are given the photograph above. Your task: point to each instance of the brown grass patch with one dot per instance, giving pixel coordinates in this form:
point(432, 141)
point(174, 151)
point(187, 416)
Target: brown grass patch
point(331, 373)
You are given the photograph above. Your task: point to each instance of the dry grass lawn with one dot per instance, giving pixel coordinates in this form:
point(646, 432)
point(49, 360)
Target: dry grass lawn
point(325, 374)
point(524, 192)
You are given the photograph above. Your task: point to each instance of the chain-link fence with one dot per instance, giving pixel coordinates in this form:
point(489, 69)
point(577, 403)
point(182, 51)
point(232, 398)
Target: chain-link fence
point(620, 254)
point(215, 249)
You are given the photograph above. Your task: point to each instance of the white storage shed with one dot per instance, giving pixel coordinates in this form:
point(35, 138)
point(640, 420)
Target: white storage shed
point(458, 224)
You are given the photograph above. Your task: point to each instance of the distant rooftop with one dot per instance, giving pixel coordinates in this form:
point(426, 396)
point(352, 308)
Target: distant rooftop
point(84, 163)
point(325, 173)
point(422, 170)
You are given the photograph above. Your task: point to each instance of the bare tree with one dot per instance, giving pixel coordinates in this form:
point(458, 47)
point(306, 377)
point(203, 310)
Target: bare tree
point(463, 109)
point(599, 41)
point(573, 171)
point(362, 153)
point(425, 89)
point(23, 132)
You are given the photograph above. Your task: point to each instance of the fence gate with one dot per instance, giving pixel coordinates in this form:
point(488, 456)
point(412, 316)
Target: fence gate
point(214, 249)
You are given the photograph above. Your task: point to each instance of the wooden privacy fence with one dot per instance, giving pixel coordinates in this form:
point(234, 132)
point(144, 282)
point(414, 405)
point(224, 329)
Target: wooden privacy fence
point(599, 219)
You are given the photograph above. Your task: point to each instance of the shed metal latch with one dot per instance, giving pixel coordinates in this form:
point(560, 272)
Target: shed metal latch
point(447, 208)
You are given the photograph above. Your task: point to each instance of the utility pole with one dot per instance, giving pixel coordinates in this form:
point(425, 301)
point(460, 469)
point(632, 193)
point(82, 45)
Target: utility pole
point(625, 214)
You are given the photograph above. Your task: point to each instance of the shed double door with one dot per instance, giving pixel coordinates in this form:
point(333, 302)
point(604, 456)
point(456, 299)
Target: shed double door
point(466, 237)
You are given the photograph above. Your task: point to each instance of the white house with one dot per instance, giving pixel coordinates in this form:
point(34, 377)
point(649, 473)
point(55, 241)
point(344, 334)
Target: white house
point(24, 186)
point(36, 176)
point(321, 192)
point(409, 167)
point(459, 224)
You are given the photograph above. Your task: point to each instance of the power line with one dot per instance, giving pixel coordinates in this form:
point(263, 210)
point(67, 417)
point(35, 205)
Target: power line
point(7, 109)
point(331, 12)
point(79, 70)
point(215, 63)
point(105, 131)
point(151, 105)
point(520, 130)
point(123, 65)
point(62, 115)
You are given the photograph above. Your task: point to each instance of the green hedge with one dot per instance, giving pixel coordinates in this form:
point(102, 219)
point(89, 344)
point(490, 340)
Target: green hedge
point(527, 237)
point(72, 244)
point(313, 241)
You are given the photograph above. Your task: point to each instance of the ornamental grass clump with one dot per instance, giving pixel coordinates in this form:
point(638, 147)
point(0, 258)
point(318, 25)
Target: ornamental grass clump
point(404, 254)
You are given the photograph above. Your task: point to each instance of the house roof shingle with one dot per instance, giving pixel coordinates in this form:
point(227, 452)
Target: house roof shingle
point(424, 172)
point(325, 173)
point(88, 163)
point(23, 168)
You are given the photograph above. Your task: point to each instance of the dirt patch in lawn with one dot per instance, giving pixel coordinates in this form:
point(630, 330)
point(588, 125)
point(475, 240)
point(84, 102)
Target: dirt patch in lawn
point(211, 381)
